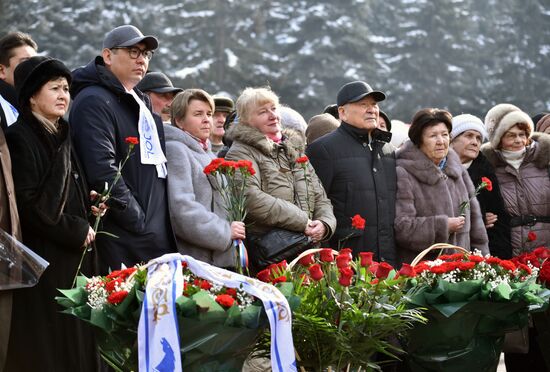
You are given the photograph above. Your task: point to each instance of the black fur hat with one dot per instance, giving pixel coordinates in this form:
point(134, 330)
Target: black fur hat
point(31, 74)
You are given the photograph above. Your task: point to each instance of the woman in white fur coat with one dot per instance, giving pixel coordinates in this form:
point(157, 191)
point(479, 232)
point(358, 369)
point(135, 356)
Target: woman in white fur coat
point(197, 211)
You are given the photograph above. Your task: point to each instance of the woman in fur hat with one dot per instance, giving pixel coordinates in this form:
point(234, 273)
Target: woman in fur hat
point(52, 202)
point(431, 185)
point(276, 194)
point(521, 160)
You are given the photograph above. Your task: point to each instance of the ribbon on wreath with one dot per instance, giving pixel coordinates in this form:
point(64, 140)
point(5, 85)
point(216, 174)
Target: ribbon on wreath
point(158, 337)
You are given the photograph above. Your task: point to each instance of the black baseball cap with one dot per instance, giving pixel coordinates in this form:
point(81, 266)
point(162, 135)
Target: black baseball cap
point(126, 36)
point(157, 82)
point(355, 91)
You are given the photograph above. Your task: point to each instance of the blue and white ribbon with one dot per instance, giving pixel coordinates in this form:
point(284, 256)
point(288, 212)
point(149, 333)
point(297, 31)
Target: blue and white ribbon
point(242, 252)
point(10, 112)
point(275, 304)
point(158, 339)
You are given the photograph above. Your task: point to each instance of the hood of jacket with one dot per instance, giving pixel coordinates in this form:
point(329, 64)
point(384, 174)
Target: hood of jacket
point(539, 154)
point(293, 141)
point(415, 162)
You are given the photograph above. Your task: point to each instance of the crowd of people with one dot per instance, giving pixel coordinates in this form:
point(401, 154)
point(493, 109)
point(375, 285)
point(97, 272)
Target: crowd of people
point(56, 157)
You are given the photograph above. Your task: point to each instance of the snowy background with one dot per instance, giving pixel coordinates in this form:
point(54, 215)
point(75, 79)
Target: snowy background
point(461, 55)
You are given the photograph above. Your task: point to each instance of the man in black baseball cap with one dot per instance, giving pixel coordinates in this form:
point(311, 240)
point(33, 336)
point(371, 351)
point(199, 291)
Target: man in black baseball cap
point(357, 169)
point(161, 91)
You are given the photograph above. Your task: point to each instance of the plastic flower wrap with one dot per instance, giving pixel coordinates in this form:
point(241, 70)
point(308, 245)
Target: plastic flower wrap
point(218, 325)
point(348, 311)
point(471, 302)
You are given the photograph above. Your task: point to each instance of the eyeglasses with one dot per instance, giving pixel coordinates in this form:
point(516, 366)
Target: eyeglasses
point(136, 52)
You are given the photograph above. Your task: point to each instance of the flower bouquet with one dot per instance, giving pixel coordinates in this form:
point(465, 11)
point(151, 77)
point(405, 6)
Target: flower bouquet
point(349, 311)
point(218, 324)
point(471, 302)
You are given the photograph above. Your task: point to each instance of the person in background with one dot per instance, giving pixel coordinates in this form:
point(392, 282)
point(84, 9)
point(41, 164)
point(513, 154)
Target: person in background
point(291, 118)
point(197, 209)
point(431, 185)
point(52, 199)
point(466, 138)
point(161, 92)
point(224, 106)
point(106, 110)
point(319, 125)
point(332, 109)
point(399, 133)
point(357, 168)
point(543, 124)
point(15, 47)
point(521, 160)
point(384, 121)
point(277, 195)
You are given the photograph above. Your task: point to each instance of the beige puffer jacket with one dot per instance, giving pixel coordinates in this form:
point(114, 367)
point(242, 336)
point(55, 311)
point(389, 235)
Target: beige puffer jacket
point(526, 191)
point(276, 194)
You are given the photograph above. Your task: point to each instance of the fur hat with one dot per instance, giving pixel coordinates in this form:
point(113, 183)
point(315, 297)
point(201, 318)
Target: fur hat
point(31, 74)
point(501, 118)
point(543, 125)
point(319, 125)
point(464, 122)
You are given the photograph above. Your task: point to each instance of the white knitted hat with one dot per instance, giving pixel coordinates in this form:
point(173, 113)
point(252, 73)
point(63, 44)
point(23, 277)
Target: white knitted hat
point(464, 122)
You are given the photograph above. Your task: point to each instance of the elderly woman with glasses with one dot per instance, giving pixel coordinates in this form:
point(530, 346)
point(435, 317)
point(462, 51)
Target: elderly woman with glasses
point(431, 186)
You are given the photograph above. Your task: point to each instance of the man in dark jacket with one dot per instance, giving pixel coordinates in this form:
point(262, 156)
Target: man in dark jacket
point(357, 168)
point(106, 110)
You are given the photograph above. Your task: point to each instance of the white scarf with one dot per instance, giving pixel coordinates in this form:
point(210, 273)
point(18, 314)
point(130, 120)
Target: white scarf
point(514, 158)
point(150, 149)
point(9, 111)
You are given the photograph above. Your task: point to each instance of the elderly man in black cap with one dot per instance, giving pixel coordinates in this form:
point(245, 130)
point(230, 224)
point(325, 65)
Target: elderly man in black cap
point(161, 91)
point(357, 168)
point(224, 106)
point(107, 109)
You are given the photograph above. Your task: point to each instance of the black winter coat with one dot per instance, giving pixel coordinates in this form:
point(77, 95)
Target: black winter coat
point(491, 201)
point(359, 179)
point(52, 203)
point(102, 116)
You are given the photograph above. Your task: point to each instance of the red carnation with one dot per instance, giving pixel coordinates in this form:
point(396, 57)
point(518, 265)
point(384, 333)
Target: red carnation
point(531, 236)
point(544, 273)
point(407, 270)
point(307, 260)
point(421, 267)
point(326, 255)
point(231, 291)
point(463, 266)
point(383, 270)
point(525, 268)
point(507, 265)
point(358, 222)
point(131, 140)
point(542, 252)
point(117, 297)
point(474, 258)
point(302, 159)
point(488, 183)
point(110, 286)
point(225, 300)
point(264, 275)
point(366, 258)
point(316, 272)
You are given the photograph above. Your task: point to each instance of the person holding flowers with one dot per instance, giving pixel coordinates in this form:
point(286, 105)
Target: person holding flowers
point(197, 210)
point(466, 138)
point(283, 193)
point(431, 186)
point(52, 199)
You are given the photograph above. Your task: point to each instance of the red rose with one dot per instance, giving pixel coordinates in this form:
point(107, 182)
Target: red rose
point(544, 273)
point(366, 258)
point(346, 274)
point(531, 236)
point(342, 260)
point(373, 267)
point(131, 140)
point(225, 300)
point(345, 251)
point(358, 222)
point(488, 183)
point(264, 275)
point(231, 291)
point(307, 260)
point(407, 270)
point(316, 272)
point(326, 255)
point(374, 281)
point(302, 159)
point(383, 270)
point(117, 297)
point(305, 279)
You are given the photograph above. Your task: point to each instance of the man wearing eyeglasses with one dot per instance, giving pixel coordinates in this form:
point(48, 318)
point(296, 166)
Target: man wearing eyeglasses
point(106, 110)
